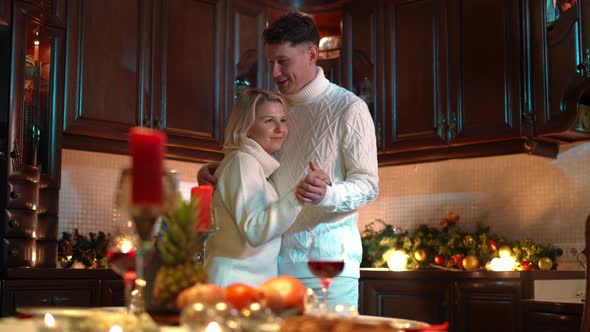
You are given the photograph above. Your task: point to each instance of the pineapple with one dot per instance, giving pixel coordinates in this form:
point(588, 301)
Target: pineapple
point(178, 245)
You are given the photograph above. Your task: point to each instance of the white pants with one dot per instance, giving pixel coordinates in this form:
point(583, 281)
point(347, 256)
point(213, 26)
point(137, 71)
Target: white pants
point(344, 290)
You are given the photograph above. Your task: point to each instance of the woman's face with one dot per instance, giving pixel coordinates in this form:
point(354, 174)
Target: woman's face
point(270, 126)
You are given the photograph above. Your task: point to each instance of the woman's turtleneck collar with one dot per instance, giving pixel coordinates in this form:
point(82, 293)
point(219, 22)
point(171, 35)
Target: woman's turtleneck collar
point(310, 91)
point(269, 163)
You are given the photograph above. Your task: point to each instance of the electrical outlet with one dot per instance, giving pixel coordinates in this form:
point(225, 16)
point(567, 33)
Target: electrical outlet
point(570, 250)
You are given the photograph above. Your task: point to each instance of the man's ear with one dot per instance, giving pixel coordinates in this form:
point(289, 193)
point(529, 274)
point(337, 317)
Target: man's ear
point(314, 53)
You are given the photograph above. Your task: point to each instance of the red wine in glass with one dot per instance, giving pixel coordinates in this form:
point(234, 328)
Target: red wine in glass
point(121, 262)
point(325, 261)
point(325, 270)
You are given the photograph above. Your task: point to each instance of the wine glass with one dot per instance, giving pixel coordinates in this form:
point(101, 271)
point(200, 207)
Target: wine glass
point(121, 252)
point(325, 261)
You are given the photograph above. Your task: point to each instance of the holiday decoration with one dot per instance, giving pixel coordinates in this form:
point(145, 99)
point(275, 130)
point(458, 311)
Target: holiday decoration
point(79, 250)
point(545, 263)
point(450, 247)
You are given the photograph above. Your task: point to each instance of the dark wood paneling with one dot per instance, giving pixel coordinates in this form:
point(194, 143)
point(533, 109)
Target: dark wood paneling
point(106, 93)
point(488, 306)
point(21, 293)
point(56, 12)
point(484, 70)
point(408, 299)
point(188, 70)
point(112, 293)
point(551, 317)
point(416, 90)
point(5, 12)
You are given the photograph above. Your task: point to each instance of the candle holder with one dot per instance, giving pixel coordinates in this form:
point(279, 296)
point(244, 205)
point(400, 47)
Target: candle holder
point(147, 261)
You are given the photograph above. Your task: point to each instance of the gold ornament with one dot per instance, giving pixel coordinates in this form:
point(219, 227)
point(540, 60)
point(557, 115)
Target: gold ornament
point(504, 251)
point(420, 255)
point(468, 240)
point(545, 263)
point(470, 262)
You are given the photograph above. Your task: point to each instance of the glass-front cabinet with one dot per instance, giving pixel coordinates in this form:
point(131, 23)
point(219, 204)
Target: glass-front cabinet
point(32, 166)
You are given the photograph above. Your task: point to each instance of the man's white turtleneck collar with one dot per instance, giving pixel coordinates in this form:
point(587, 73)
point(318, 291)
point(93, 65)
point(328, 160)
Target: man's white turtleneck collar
point(309, 92)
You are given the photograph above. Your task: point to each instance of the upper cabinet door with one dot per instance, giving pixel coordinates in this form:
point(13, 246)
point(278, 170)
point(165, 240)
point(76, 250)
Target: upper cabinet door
point(107, 84)
point(414, 67)
point(484, 50)
point(362, 57)
point(246, 65)
point(560, 69)
point(188, 77)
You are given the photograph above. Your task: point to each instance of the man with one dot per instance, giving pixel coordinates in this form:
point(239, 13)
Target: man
point(332, 127)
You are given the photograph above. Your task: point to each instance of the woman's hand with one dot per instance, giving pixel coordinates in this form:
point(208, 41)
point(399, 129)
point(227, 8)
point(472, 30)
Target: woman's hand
point(312, 189)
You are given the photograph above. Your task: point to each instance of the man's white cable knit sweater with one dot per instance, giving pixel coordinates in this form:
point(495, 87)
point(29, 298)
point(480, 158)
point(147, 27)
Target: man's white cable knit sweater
point(332, 127)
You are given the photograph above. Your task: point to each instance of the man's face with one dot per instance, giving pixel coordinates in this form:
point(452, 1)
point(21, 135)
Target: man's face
point(292, 66)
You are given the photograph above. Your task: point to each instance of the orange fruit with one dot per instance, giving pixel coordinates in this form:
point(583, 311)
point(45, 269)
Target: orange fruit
point(241, 295)
point(283, 292)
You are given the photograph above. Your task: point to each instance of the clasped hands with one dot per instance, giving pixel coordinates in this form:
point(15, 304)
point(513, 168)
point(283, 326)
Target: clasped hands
point(312, 189)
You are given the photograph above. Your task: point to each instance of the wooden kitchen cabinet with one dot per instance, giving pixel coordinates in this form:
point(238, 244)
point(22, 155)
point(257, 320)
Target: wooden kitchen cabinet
point(409, 299)
point(162, 71)
point(551, 317)
point(487, 305)
point(560, 62)
point(478, 301)
point(452, 80)
point(112, 293)
point(59, 287)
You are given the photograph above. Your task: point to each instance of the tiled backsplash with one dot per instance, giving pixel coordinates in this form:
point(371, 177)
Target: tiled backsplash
point(519, 196)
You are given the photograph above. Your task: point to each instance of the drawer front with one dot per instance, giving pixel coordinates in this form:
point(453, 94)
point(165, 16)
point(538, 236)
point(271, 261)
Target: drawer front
point(47, 227)
point(20, 252)
point(35, 293)
point(112, 293)
point(23, 195)
point(20, 223)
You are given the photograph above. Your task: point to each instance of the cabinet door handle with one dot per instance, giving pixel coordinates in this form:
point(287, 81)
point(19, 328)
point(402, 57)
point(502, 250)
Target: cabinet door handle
point(14, 195)
point(13, 252)
point(146, 122)
point(59, 299)
point(157, 124)
point(45, 300)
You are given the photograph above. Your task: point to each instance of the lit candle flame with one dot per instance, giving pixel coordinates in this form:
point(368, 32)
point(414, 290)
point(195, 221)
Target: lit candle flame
point(126, 246)
point(398, 261)
point(213, 327)
point(116, 328)
point(49, 320)
point(502, 264)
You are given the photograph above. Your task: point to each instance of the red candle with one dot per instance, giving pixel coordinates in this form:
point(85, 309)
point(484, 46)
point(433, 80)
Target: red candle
point(203, 195)
point(148, 147)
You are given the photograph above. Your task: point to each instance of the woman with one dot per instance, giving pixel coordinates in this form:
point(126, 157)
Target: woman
point(246, 207)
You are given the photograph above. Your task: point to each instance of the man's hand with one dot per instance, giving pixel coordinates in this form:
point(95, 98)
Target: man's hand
point(313, 187)
point(205, 174)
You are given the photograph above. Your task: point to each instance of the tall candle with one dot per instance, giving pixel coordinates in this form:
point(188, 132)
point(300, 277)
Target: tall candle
point(148, 147)
point(203, 195)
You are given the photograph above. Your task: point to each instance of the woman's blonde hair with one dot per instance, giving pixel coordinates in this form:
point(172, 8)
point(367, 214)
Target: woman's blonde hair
point(244, 114)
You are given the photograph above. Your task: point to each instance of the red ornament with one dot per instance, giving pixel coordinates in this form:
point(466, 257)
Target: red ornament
point(439, 259)
point(458, 260)
point(524, 266)
point(492, 245)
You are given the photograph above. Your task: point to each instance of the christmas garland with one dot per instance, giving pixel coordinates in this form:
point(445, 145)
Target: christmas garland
point(449, 247)
point(80, 251)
